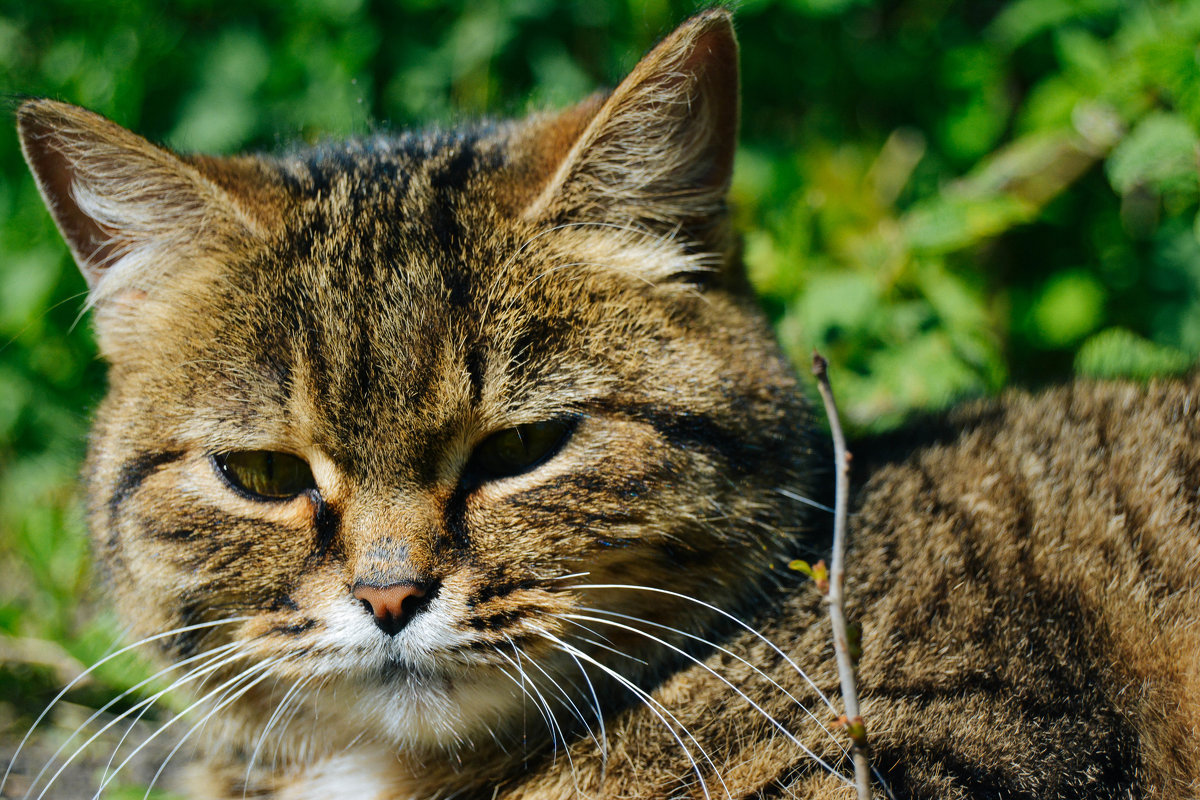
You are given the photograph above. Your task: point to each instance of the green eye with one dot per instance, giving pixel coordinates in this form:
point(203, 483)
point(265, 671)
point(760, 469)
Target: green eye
point(265, 475)
point(516, 450)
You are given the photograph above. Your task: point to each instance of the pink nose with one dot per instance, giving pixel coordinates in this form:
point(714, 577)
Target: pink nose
point(393, 606)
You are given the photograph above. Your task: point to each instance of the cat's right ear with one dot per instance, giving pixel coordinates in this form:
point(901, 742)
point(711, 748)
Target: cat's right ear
point(658, 152)
point(128, 209)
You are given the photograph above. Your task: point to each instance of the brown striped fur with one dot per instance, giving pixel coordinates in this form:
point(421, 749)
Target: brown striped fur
point(1025, 571)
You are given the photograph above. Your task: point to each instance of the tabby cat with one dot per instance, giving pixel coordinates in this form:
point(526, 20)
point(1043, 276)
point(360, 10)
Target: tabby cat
point(463, 464)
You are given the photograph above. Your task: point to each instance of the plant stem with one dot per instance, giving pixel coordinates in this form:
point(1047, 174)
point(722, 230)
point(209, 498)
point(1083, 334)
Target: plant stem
point(837, 616)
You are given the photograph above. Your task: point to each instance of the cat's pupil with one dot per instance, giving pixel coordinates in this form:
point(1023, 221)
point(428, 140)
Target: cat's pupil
point(266, 474)
point(517, 449)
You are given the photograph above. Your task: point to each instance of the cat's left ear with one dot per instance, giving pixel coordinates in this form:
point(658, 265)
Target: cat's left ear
point(659, 151)
point(129, 210)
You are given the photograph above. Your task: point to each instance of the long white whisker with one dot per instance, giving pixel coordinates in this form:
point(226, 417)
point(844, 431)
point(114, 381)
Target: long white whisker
point(214, 663)
point(263, 667)
point(292, 716)
point(592, 640)
point(202, 672)
point(603, 743)
point(550, 712)
point(566, 696)
point(551, 719)
point(788, 493)
point(358, 738)
point(658, 709)
point(824, 699)
point(275, 715)
point(729, 653)
point(520, 683)
point(778, 725)
point(92, 668)
point(568, 577)
point(100, 711)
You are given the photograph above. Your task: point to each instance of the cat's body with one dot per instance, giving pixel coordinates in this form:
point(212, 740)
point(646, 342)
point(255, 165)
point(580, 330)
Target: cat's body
point(1027, 585)
point(462, 462)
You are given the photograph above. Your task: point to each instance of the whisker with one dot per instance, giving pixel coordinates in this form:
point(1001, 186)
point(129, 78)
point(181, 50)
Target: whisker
point(201, 672)
point(593, 641)
point(804, 708)
point(263, 667)
point(525, 693)
point(727, 652)
point(568, 577)
point(92, 668)
point(778, 725)
point(567, 697)
point(275, 715)
point(728, 616)
point(566, 743)
point(215, 662)
point(292, 716)
point(612, 650)
point(603, 744)
point(552, 721)
point(799, 498)
point(358, 738)
point(658, 709)
point(100, 711)
point(73, 298)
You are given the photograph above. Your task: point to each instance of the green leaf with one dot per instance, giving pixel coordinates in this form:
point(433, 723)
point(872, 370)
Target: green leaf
point(948, 223)
point(1083, 53)
point(1159, 154)
point(838, 303)
point(1022, 20)
point(1069, 306)
point(800, 565)
point(1118, 353)
point(825, 8)
point(818, 572)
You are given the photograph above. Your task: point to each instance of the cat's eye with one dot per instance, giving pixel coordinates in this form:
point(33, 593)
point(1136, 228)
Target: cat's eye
point(265, 475)
point(519, 449)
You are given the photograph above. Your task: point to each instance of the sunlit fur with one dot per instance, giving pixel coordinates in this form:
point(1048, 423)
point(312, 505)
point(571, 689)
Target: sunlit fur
point(619, 620)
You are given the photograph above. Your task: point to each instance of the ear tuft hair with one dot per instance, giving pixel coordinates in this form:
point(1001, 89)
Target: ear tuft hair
point(126, 207)
point(659, 152)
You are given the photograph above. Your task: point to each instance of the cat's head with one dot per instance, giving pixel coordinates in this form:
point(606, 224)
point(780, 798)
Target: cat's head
point(379, 410)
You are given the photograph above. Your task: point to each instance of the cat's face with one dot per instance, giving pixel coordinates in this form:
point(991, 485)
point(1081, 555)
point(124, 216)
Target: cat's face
point(380, 412)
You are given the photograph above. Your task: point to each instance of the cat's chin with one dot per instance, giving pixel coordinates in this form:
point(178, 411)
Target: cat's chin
point(420, 709)
point(397, 710)
point(419, 690)
point(411, 703)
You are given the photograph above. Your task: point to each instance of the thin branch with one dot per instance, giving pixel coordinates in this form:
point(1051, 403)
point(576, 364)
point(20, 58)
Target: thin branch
point(841, 644)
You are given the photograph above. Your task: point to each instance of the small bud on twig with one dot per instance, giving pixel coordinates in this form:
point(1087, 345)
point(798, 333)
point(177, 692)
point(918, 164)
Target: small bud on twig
point(818, 572)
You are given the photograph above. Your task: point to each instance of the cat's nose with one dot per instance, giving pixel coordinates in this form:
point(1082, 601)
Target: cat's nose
point(393, 606)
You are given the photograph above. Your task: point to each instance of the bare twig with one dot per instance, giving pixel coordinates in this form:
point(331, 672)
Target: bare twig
point(841, 644)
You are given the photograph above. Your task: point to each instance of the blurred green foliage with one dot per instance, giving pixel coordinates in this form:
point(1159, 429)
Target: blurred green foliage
point(944, 196)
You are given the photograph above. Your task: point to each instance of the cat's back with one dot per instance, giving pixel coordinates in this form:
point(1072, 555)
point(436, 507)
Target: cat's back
point(1030, 588)
point(1027, 576)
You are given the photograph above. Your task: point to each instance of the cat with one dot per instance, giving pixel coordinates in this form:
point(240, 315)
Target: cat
point(464, 464)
